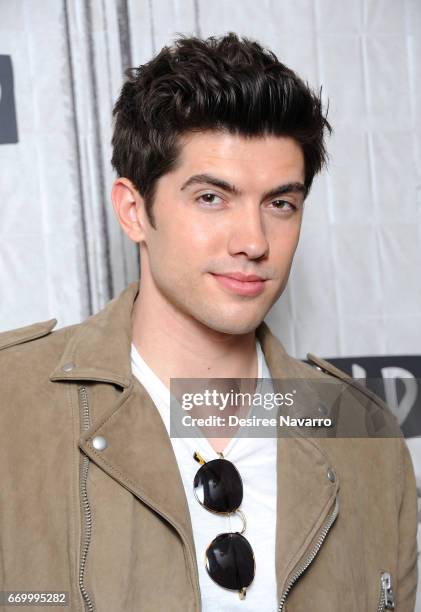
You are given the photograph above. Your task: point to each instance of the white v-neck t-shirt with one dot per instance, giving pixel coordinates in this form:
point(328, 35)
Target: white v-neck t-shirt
point(255, 459)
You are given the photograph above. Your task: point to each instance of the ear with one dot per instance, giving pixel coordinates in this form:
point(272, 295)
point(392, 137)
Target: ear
point(129, 207)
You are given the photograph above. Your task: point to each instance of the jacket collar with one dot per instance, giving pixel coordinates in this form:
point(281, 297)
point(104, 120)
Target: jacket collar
point(99, 347)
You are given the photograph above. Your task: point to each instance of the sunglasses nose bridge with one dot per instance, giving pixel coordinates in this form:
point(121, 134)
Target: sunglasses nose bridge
point(243, 518)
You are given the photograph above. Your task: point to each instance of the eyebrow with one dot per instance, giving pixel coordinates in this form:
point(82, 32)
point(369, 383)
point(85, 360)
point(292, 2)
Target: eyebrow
point(294, 187)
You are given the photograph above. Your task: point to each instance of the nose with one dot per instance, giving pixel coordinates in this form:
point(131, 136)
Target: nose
point(248, 235)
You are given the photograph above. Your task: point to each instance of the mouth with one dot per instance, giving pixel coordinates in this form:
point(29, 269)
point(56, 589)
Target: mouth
point(248, 285)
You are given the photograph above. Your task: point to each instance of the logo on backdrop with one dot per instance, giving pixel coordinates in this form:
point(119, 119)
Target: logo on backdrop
point(397, 380)
point(8, 125)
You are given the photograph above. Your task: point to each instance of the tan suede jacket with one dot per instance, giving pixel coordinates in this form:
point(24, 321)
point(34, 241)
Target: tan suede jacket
point(112, 527)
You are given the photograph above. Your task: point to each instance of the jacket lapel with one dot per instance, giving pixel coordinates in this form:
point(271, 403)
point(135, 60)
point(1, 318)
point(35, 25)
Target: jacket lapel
point(306, 495)
point(139, 455)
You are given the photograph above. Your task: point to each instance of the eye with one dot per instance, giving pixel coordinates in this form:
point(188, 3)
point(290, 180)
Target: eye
point(209, 199)
point(283, 205)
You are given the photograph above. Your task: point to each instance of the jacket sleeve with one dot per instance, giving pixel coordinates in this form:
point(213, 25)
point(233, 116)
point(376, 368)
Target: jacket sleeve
point(408, 525)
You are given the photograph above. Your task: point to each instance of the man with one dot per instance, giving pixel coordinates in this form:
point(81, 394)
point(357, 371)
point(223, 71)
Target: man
point(216, 144)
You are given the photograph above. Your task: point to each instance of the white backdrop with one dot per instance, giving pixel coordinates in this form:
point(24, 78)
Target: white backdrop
point(355, 287)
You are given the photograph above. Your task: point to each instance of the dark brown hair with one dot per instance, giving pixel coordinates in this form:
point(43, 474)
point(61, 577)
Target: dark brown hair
point(227, 83)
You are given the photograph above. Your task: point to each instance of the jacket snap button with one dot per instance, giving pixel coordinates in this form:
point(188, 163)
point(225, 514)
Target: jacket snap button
point(331, 475)
point(322, 409)
point(99, 443)
point(68, 367)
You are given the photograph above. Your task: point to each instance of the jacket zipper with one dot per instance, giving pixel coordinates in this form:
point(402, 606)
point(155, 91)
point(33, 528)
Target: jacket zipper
point(86, 509)
point(310, 557)
point(386, 600)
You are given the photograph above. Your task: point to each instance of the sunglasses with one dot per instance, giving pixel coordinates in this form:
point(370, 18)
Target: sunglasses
point(229, 558)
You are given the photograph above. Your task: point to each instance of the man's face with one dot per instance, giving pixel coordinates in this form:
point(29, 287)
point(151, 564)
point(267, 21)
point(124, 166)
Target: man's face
point(227, 225)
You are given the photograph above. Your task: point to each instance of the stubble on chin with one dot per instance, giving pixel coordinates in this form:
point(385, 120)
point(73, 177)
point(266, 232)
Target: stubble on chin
point(225, 320)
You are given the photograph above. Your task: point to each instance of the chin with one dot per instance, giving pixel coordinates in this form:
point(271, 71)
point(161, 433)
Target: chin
point(232, 326)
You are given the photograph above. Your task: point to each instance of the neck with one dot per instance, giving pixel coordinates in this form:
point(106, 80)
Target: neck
point(191, 349)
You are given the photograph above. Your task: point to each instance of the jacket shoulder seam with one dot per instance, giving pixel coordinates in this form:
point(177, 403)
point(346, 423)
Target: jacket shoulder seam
point(328, 368)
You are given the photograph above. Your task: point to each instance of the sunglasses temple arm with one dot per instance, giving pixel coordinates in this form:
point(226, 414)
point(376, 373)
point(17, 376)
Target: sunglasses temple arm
point(198, 458)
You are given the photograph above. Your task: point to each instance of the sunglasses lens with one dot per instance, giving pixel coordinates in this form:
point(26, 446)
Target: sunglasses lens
point(230, 561)
point(218, 486)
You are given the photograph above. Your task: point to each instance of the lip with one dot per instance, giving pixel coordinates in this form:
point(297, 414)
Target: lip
point(248, 285)
point(242, 277)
